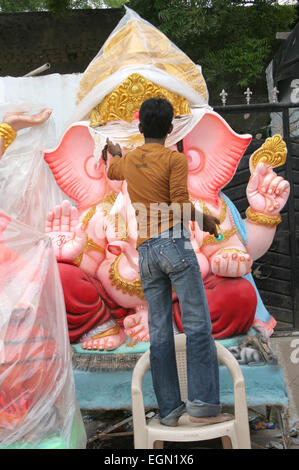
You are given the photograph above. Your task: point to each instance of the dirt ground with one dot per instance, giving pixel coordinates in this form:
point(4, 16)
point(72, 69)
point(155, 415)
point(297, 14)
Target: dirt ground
point(114, 430)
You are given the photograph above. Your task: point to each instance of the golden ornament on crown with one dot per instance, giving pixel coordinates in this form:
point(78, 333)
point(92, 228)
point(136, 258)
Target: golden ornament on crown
point(123, 102)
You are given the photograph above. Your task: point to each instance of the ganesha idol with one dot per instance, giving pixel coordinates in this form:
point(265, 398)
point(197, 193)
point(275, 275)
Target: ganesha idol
point(95, 238)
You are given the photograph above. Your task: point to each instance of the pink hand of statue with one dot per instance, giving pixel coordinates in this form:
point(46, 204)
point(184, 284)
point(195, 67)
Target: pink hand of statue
point(231, 263)
point(136, 325)
point(19, 120)
point(267, 192)
point(67, 234)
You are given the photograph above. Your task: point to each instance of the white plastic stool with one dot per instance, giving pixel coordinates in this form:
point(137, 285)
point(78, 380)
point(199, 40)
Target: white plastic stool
point(234, 433)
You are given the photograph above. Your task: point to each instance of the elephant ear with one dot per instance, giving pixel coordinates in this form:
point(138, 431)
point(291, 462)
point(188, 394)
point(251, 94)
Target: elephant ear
point(213, 150)
point(75, 168)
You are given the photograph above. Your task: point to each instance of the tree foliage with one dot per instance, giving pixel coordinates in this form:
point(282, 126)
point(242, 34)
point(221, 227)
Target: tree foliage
point(55, 6)
point(232, 40)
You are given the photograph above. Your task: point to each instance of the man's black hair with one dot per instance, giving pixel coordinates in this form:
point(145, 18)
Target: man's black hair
point(155, 117)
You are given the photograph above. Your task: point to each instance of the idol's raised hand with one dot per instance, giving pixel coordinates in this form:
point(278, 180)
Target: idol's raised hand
point(267, 192)
point(67, 234)
point(18, 120)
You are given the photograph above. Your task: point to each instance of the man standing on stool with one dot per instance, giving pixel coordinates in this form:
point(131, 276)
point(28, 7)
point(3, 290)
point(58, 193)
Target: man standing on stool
point(157, 176)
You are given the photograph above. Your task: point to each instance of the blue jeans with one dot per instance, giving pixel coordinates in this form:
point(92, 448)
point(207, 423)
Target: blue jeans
point(166, 262)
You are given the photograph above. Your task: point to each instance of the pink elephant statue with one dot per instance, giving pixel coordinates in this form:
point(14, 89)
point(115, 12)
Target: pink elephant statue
point(214, 151)
point(95, 241)
point(96, 250)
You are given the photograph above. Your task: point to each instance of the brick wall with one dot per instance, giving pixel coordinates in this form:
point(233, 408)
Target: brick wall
point(68, 43)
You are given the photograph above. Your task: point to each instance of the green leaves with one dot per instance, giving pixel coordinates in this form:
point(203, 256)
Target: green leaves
point(232, 40)
point(242, 60)
point(11, 6)
point(58, 7)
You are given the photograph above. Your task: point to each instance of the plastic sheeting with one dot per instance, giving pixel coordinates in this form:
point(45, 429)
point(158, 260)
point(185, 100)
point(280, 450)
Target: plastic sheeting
point(136, 46)
point(28, 190)
point(133, 42)
point(127, 135)
point(54, 91)
point(38, 407)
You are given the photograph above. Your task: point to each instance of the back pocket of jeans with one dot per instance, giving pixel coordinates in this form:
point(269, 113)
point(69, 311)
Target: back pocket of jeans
point(175, 258)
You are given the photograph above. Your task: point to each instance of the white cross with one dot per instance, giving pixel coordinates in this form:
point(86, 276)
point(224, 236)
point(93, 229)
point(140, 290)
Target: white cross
point(248, 94)
point(223, 95)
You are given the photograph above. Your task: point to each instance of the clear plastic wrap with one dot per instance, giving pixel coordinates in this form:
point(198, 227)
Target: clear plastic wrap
point(136, 46)
point(38, 406)
point(135, 41)
point(28, 190)
point(128, 136)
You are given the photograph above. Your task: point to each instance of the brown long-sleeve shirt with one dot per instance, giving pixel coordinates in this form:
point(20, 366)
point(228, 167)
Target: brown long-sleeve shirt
point(157, 185)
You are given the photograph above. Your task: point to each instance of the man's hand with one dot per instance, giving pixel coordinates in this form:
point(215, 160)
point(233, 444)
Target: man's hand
point(113, 148)
point(209, 223)
point(20, 121)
